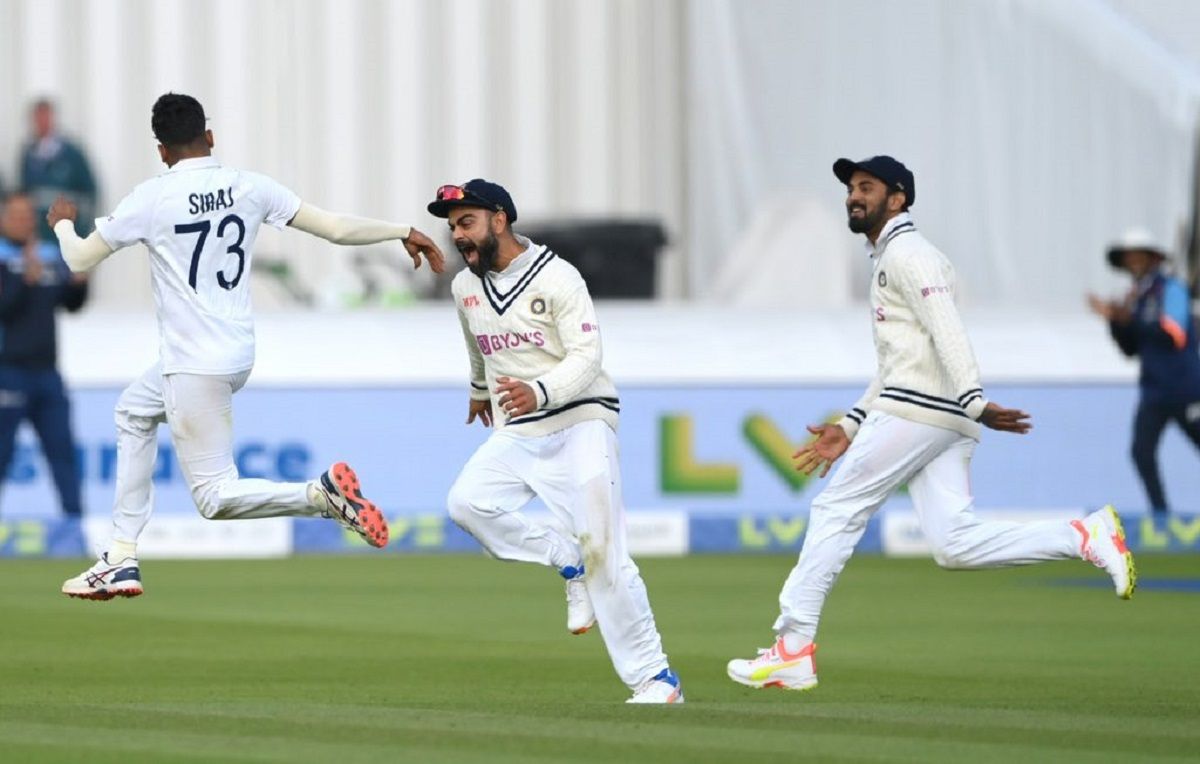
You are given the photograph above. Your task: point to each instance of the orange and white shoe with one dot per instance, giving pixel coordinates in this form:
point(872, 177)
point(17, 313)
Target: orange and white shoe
point(581, 616)
point(663, 688)
point(1103, 545)
point(776, 667)
point(339, 494)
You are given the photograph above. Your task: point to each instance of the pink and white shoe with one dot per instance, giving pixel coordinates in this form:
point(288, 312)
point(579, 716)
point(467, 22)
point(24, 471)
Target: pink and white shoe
point(1102, 543)
point(341, 498)
point(776, 667)
point(105, 580)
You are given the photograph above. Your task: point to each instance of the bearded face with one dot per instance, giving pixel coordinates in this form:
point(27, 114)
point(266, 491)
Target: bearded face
point(474, 239)
point(862, 217)
point(867, 204)
point(480, 255)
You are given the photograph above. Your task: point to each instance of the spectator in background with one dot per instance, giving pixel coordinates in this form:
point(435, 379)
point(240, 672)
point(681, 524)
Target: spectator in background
point(34, 283)
point(52, 166)
point(1155, 322)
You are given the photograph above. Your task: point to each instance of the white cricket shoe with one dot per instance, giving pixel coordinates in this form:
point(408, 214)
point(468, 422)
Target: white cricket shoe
point(776, 667)
point(1103, 545)
point(106, 580)
point(341, 494)
point(663, 687)
point(581, 616)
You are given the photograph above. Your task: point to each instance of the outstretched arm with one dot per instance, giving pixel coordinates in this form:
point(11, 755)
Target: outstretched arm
point(79, 254)
point(350, 229)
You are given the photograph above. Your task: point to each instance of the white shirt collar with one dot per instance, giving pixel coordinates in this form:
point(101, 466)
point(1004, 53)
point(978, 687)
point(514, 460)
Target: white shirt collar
point(521, 261)
point(903, 222)
point(195, 163)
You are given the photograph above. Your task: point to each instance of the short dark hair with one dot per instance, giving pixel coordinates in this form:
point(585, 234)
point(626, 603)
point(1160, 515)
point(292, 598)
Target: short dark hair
point(177, 119)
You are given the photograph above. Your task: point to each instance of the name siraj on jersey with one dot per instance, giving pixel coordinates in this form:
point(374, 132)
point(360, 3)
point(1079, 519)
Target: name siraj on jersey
point(210, 201)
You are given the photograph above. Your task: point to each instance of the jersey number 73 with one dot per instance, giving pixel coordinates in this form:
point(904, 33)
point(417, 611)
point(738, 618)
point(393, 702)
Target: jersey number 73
point(203, 227)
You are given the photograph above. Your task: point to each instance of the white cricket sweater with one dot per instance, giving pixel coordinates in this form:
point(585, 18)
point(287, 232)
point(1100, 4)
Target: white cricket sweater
point(927, 370)
point(535, 322)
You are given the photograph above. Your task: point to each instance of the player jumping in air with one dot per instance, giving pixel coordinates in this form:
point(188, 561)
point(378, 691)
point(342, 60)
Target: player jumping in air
point(918, 423)
point(199, 220)
point(535, 355)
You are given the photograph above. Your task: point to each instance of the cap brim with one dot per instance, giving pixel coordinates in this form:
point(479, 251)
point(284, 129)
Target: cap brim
point(844, 169)
point(1116, 253)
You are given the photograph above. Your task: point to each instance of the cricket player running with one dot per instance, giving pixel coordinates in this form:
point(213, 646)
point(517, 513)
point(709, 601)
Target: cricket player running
point(918, 422)
point(199, 220)
point(535, 354)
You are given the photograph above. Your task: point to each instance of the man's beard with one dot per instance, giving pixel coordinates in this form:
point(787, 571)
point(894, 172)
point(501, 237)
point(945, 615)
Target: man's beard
point(485, 254)
point(870, 220)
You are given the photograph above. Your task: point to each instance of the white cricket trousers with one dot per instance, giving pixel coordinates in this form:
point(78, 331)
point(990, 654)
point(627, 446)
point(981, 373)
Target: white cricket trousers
point(575, 473)
point(199, 411)
point(935, 462)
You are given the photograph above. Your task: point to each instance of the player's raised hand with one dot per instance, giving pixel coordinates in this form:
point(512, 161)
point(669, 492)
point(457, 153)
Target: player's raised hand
point(1100, 306)
point(62, 209)
point(1006, 420)
point(825, 449)
point(419, 244)
point(482, 410)
point(33, 264)
point(516, 397)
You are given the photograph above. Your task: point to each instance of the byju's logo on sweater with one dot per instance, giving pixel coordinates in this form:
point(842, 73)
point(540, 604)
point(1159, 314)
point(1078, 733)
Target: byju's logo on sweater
point(494, 343)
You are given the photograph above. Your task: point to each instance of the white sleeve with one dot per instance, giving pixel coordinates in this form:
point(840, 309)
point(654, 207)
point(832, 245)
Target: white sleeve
point(346, 229)
point(278, 202)
point(858, 412)
point(127, 225)
point(928, 287)
point(80, 254)
point(575, 322)
point(479, 388)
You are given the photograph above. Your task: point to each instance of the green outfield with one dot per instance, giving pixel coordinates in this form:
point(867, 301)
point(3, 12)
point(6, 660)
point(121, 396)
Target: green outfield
point(462, 659)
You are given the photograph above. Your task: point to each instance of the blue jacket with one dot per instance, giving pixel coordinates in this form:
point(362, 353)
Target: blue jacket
point(1163, 332)
point(28, 334)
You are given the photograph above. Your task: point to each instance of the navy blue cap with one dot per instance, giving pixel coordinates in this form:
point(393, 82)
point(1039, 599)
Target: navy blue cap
point(891, 171)
point(474, 193)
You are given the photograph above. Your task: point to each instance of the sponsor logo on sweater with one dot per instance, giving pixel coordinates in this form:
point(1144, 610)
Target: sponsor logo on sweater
point(494, 343)
point(926, 291)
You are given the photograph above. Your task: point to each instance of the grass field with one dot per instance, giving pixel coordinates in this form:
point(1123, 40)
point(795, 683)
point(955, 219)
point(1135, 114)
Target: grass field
point(462, 659)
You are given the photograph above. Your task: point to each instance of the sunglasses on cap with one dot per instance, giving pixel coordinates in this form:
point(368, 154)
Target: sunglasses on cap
point(452, 193)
